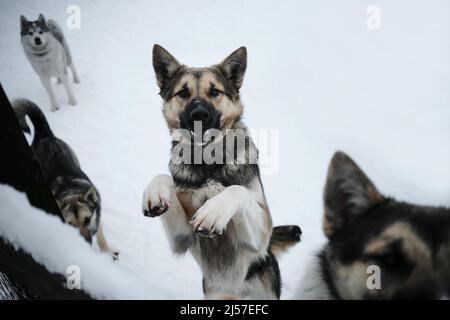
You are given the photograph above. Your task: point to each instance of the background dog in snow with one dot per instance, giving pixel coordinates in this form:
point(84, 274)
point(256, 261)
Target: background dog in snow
point(77, 197)
point(48, 52)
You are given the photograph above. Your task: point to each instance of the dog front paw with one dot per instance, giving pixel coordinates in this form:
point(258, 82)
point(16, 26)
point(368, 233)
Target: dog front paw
point(54, 107)
point(212, 218)
point(157, 196)
point(156, 210)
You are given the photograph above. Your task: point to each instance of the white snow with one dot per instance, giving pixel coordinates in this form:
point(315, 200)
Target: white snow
point(315, 73)
point(59, 247)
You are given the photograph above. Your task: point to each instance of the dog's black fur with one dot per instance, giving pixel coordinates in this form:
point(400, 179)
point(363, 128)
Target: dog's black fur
point(60, 167)
point(410, 243)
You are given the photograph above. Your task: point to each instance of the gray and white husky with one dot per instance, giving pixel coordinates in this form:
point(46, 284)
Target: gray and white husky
point(77, 197)
point(48, 52)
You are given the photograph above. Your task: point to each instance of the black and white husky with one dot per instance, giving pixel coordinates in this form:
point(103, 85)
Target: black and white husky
point(217, 211)
point(378, 248)
point(76, 196)
point(48, 52)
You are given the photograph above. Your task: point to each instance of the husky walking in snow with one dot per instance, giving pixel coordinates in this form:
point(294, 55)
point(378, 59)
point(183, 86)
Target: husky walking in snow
point(76, 196)
point(217, 211)
point(378, 248)
point(48, 52)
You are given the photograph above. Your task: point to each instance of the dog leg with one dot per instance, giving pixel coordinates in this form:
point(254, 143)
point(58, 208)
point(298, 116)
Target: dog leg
point(103, 245)
point(242, 205)
point(160, 199)
point(65, 80)
point(74, 72)
point(46, 82)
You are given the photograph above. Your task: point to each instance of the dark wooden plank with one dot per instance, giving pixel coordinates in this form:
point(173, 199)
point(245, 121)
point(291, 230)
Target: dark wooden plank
point(32, 280)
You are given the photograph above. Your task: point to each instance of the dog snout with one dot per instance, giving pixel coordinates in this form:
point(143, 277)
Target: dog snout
point(86, 234)
point(199, 113)
point(37, 41)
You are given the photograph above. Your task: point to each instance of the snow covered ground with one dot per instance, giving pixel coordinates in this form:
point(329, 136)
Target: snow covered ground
point(316, 73)
point(61, 248)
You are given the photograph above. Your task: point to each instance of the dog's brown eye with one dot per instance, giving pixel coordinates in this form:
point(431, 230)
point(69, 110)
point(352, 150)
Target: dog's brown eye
point(86, 221)
point(393, 259)
point(213, 92)
point(184, 94)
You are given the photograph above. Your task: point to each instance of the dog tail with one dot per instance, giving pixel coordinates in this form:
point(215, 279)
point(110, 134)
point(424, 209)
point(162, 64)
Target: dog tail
point(57, 32)
point(24, 107)
point(283, 238)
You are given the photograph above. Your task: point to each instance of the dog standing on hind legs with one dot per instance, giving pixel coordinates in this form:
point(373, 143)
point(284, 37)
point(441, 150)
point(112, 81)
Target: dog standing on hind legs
point(216, 211)
point(49, 54)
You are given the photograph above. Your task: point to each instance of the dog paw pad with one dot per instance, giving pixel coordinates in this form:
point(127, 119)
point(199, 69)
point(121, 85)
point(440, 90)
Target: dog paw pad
point(155, 211)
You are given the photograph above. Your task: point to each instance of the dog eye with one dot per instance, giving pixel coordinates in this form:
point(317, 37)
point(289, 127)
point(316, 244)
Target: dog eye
point(387, 258)
point(30, 33)
point(392, 261)
point(86, 221)
point(184, 94)
point(40, 32)
point(213, 92)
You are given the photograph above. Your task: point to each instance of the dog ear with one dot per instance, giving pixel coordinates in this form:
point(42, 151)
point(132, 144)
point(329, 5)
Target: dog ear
point(348, 194)
point(165, 65)
point(41, 19)
point(90, 195)
point(23, 22)
point(234, 66)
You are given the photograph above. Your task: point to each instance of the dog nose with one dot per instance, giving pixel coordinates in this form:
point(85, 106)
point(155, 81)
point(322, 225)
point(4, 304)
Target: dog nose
point(37, 41)
point(200, 114)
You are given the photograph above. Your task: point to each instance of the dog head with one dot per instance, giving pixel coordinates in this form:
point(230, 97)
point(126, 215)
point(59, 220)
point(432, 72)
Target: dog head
point(407, 246)
point(82, 212)
point(34, 34)
point(207, 96)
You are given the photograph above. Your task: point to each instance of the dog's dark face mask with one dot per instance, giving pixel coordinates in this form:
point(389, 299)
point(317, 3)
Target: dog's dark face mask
point(83, 212)
point(199, 116)
point(380, 248)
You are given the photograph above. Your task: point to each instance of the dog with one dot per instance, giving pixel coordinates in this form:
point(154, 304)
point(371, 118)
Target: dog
point(76, 196)
point(217, 211)
point(47, 50)
point(378, 247)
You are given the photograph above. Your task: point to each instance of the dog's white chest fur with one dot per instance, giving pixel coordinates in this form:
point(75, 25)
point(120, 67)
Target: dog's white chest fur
point(50, 63)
